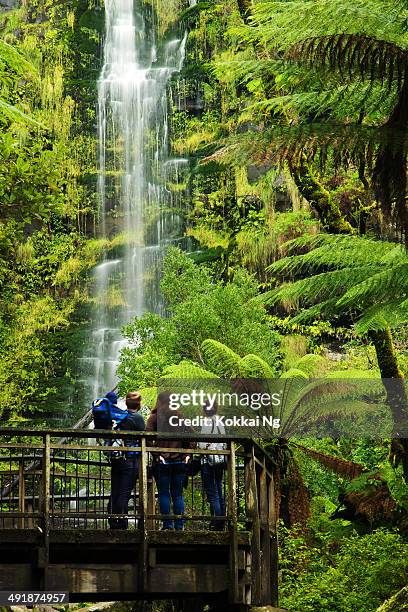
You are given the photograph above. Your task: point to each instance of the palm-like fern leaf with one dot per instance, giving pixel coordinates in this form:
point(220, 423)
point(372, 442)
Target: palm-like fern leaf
point(187, 370)
point(221, 358)
point(319, 287)
point(252, 366)
point(16, 61)
point(12, 113)
point(378, 286)
point(366, 56)
point(363, 276)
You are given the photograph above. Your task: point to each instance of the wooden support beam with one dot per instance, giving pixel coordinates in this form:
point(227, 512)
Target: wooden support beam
point(274, 558)
point(251, 491)
point(44, 551)
point(143, 501)
point(233, 527)
point(21, 494)
point(265, 541)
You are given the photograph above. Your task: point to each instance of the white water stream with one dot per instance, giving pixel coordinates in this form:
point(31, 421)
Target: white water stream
point(138, 209)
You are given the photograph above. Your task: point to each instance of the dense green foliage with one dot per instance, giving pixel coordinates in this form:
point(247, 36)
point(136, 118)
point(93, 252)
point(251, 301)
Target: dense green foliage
point(199, 308)
point(341, 574)
point(294, 118)
point(47, 200)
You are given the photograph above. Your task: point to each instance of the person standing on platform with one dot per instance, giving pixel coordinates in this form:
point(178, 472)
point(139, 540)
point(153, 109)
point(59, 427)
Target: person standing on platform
point(125, 469)
point(169, 468)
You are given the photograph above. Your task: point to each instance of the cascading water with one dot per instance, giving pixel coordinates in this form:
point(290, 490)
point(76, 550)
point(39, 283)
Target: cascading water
point(137, 206)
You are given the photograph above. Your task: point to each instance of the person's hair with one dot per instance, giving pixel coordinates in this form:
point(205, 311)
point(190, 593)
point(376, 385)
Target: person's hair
point(164, 412)
point(133, 400)
point(210, 411)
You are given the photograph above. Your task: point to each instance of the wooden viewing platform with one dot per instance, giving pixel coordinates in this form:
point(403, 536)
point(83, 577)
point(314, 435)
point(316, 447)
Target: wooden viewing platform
point(54, 488)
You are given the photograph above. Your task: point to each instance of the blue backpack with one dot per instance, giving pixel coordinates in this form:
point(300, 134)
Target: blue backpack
point(107, 415)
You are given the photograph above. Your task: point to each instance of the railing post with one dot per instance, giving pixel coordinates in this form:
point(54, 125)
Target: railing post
point(251, 491)
point(272, 520)
point(264, 538)
point(151, 503)
point(143, 502)
point(233, 527)
point(43, 552)
point(21, 493)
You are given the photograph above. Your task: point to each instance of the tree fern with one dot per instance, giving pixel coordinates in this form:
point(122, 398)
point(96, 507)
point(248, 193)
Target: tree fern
point(187, 370)
point(348, 109)
point(367, 56)
point(252, 366)
point(221, 359)
point(365, 277)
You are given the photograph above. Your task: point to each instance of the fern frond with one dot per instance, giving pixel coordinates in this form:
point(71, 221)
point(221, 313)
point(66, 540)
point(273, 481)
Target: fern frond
point(16, 61)
point(252, 366)
point(14, 114)
point(326, 309)
point(380, 316)
point(352, 54)
point(339, 144)
point(295, 373)
point(379, 284)
point(320, 287)
point(187, 369)
point(221, 359)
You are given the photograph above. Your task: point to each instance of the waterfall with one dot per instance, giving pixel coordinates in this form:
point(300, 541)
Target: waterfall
point(138, 210)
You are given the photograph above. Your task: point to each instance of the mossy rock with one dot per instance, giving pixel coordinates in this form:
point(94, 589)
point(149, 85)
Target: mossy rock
point(93, 20)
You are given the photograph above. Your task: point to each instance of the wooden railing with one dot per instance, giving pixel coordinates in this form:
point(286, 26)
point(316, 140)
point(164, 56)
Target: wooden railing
point(60, 479)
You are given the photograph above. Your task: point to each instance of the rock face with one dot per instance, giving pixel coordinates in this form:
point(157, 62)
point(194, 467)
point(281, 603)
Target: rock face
point(8, 4)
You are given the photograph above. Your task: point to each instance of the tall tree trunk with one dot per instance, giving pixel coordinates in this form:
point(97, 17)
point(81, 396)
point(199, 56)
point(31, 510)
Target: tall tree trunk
point(397, 399)
point(319, 198)
point(393, 380)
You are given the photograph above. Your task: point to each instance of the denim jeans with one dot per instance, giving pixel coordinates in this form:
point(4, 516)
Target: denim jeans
point(212, 477)
point(124, 474)
point(170, 479)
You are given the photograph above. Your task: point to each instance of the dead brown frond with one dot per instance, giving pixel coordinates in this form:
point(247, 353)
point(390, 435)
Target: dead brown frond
point(342, 467)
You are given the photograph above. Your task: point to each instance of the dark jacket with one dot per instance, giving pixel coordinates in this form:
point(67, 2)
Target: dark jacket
point(133, 422)
point(151, 425)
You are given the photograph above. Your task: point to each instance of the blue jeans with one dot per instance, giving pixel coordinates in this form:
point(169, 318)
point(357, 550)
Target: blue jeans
point(170, 479)
point(212, 476)
point(124, 474)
